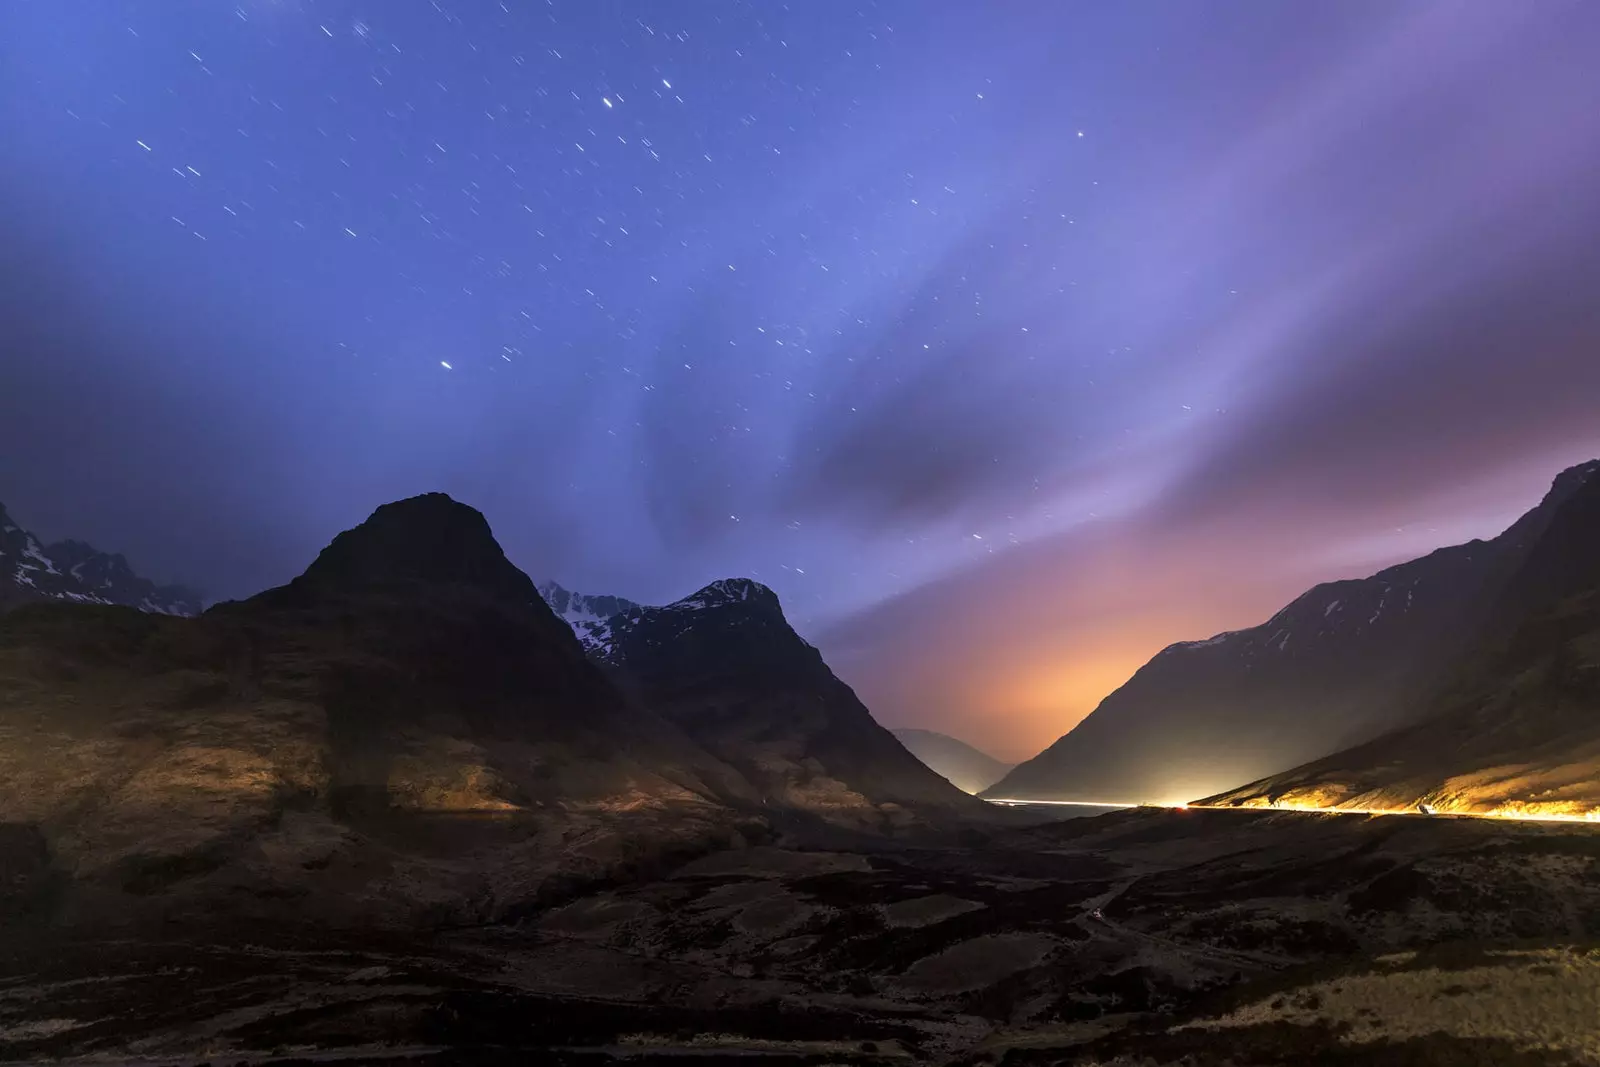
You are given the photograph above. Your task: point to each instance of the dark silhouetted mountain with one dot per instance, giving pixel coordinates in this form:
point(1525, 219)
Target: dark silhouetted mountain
point(964, 766)
point(434, 625)
point(725, 665)
point(423, 541)
point(1515, 726)
point(1343, 663)
point(405, 730)
point(79, 573)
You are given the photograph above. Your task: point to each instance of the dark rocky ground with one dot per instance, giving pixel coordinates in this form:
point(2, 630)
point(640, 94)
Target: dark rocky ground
point(1141, 937)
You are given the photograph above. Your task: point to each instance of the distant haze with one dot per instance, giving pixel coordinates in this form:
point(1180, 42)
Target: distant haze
point(957, 761)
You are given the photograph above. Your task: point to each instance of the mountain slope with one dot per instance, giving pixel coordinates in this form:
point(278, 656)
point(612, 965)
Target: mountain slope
point(1342, 663)
point(724, 664)
point(964, 766)
point(404, 733)
point(78, 573)
point(1516, 727)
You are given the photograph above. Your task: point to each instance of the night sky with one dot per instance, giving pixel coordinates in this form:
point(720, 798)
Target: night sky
point(1007, 342)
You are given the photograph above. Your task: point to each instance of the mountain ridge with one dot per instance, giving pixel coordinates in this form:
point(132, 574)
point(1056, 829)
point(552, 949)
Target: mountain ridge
point(586, 615)
point(1514, 729)
point(77, 572)
point(724, 664)
point(404, 730)
point(1341, 663)
point(406, 733)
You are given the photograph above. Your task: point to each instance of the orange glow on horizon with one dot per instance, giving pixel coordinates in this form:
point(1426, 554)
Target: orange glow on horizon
point(1011, 656)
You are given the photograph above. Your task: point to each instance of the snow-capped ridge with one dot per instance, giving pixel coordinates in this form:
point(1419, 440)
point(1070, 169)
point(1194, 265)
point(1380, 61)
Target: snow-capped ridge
point(1215, 639)
point(596, 620)
point(581, 607)
point(588, 616)
point(79, 573)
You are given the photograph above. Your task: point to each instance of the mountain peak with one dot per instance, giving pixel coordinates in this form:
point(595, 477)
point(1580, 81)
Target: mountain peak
point(429, 539)
point(728, 591)
point(1565, 484)
point(73, 555)
point(1569, 480)
point(725, 666)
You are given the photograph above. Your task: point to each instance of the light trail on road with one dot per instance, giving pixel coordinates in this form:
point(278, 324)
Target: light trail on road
point(1591, 818)
point(1017, 802)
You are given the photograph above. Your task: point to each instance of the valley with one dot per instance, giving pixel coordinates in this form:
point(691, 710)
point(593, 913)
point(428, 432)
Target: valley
point(1127, 935)
point(1028, 535)
point(400, 810)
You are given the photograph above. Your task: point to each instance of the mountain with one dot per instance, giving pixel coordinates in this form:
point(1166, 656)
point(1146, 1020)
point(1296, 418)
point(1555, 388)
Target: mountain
point(1516, 727)
point(1343, 663)
point(404, 733)
point(725, 665)
point(588, 616)
point(393, 805)
point(76, 572)
point(964, 766)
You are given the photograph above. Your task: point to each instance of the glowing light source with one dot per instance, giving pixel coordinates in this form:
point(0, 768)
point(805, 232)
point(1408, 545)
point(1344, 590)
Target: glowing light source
point(1514, 813)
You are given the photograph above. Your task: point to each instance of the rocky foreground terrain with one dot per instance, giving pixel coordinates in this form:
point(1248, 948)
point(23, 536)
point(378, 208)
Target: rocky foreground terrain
point(1142, 937)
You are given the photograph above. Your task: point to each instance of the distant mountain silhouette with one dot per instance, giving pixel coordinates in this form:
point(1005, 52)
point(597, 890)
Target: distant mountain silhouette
point(964, 766)
point(1515, 725)
point(78, 573)
point(1343, 663)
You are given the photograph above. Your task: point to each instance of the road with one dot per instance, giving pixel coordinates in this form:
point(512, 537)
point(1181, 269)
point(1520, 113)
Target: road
point(1592, 818)
point(1223, 957)
point(1018, 802)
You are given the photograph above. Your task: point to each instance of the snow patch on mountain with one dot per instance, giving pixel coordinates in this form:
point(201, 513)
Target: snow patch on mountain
point(596, 620)
point(31, 549)
point(722, 591)
point(1206, 643)
point(589, 616)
